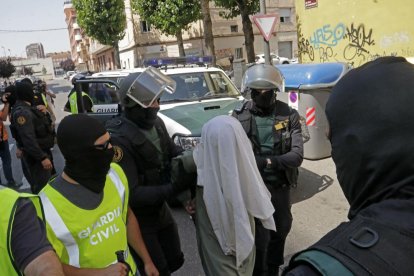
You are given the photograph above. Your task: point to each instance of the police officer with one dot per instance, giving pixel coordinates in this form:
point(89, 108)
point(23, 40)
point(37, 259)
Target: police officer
point(73, 103)
point(144, 150)
point(24, 248)
point(371, 128)
point(275, 133)
point(34, 136)
point(86, 207)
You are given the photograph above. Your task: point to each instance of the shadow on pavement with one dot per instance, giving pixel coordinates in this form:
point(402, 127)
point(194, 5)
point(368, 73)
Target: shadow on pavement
point(309, 184)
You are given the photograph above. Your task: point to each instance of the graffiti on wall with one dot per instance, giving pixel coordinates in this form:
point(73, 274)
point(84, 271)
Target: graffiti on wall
point(355, 44)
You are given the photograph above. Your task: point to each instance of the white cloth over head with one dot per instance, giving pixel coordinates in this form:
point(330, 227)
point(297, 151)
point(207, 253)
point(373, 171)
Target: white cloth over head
point(233, 188)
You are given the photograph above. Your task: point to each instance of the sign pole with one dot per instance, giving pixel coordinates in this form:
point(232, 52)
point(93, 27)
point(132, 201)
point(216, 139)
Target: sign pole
point(266, 47)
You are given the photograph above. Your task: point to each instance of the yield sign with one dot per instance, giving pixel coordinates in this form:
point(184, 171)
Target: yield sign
point(266, 24)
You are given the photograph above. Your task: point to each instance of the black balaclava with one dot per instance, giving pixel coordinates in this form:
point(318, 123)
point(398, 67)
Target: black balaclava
point(24, 92)
point(85, 164)
point(264, 101)
point(11, 99)
point(371, 118)
point(143, 117)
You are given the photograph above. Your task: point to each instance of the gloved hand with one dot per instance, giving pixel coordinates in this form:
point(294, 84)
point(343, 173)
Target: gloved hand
point(261, 162)
point(182, 179)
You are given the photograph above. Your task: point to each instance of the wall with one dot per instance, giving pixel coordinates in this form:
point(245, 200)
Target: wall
point(354, 31)
point(37, 66)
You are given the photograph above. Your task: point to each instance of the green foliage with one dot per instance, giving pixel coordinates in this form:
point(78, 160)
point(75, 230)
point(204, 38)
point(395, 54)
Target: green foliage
point(168, 16)
point(103, 20)
point(6, 68)
point(67, 65)
point(237, 7)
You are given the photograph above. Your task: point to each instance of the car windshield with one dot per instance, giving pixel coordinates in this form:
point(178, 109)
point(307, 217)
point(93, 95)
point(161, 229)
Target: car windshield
point(194, 86)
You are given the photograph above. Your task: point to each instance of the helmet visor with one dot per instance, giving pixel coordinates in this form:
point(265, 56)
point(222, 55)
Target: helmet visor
point(149, 86)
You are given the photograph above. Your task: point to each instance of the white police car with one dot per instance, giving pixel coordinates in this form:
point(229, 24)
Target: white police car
point(202, 92)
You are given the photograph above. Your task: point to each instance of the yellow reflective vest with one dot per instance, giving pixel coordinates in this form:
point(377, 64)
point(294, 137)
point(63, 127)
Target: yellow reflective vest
point(74, 103)
point(8, 199)
point(89, 238)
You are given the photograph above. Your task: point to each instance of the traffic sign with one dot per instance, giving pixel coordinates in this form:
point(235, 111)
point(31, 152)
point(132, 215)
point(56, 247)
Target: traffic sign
point(266, 24)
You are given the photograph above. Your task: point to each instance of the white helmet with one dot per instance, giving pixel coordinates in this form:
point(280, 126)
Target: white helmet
point(263, 77)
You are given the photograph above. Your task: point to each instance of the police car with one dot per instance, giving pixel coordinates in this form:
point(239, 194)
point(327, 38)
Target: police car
point(202, 92)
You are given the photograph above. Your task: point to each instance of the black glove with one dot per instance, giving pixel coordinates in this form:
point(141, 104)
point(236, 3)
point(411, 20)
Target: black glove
point(181, 179)
point(261, 162)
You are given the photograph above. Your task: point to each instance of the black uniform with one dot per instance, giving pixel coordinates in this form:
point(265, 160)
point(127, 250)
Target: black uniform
point(284, 147)
point(373, 155)
point(147, 165)
point(34, 136)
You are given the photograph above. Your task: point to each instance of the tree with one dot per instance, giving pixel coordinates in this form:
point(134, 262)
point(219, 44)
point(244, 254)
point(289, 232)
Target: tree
point(244, 8)
point(6, 68)
point(67, 65)
point(169, 16)
point(103, 20)
point(208, 30)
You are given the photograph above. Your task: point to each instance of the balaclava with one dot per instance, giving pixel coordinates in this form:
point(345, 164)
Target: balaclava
point(371, 130)
point(143, 117)
point(264, 101)
point(11, 99)
point(24, 92)
point(85, 164)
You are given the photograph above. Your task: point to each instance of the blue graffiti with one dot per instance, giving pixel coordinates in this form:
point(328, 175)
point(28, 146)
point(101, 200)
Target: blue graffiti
point(328, 36)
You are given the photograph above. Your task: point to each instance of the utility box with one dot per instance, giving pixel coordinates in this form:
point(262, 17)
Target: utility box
point(307, 89)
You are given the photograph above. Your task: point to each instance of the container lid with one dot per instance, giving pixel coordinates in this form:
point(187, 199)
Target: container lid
point(312, 75)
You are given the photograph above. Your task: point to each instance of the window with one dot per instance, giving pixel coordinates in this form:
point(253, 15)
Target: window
point(284, 15)
point(145, 27)
point(238, 53)
point(234, 28)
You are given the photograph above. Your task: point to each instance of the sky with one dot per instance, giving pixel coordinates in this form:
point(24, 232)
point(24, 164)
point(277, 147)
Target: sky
point(23, 15)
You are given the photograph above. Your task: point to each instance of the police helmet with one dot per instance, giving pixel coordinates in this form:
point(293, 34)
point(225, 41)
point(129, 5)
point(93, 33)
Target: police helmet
point(262, 77)
point(77, 77)
point(144, 88)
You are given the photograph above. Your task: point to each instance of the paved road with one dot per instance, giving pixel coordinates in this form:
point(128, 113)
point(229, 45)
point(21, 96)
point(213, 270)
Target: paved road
point(318, 203)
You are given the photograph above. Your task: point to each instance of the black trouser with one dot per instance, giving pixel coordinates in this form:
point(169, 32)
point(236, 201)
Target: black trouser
point(164, 248)
point(34, 172)
point(270, 245)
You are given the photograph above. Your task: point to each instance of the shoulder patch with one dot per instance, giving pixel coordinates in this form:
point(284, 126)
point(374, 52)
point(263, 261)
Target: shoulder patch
point(21, 120)
point(118, 154)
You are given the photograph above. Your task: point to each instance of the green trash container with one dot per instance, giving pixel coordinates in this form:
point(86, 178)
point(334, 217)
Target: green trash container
point(307, 89)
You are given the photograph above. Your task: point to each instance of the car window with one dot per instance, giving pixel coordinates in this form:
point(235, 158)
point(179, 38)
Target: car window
point(196, 85)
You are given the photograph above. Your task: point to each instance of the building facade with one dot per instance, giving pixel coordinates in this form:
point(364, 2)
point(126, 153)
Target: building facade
point(78, 41)
point(57, 59)
point(141, 41)
point(354, 31)
point(35, 50)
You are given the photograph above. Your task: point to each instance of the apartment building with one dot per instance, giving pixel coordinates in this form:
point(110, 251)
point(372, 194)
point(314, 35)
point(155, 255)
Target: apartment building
point(35, 50)
point(142, 41)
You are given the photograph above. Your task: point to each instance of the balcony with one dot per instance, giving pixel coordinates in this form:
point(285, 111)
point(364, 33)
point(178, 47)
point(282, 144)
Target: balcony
point(75, 26)
point(78, 37)
point(67, 5)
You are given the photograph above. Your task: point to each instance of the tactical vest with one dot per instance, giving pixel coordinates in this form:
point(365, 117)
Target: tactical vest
point(365, 246)
point(9, 199)
point(42, 124)
point(281, 133)
point(90, 238)
point(145, 154)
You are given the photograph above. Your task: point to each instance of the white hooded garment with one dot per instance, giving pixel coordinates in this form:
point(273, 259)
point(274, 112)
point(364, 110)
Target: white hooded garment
point(233, 189)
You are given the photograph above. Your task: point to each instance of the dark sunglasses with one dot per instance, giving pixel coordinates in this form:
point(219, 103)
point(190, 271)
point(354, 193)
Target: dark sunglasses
point(103, 146)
